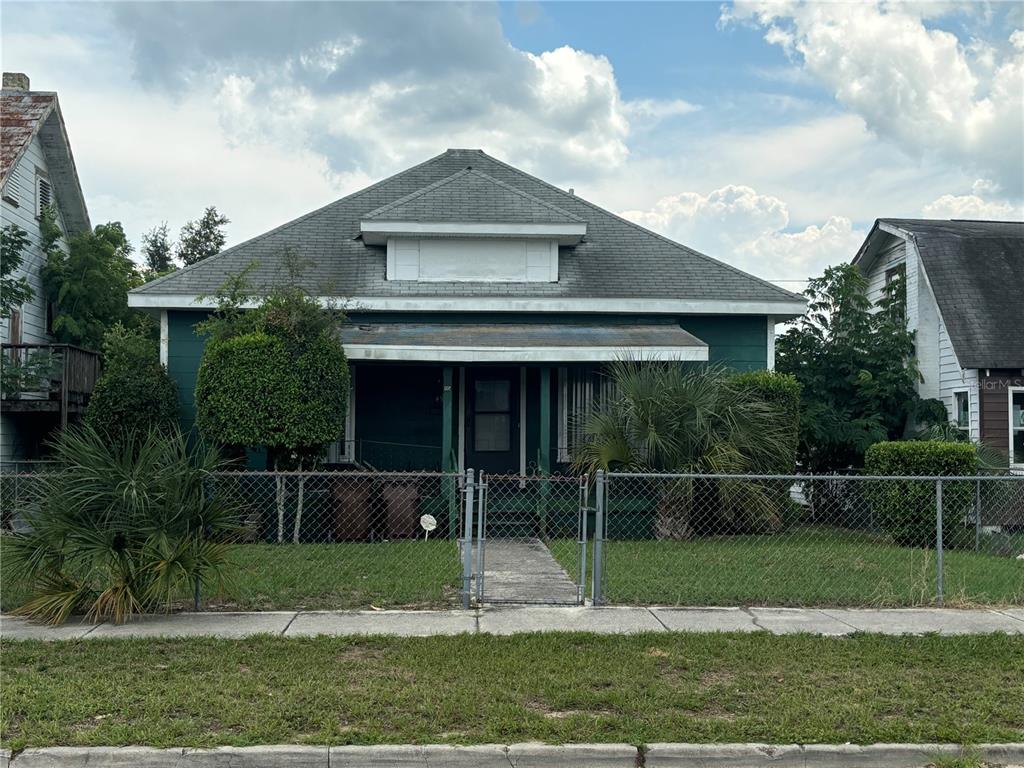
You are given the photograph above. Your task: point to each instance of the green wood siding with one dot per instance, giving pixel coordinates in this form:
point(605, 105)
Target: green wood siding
point(398, 403)
point(739, 341)
point(184, 352)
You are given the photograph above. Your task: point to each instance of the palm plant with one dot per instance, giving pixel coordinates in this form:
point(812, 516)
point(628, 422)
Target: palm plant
point(990, 458)
point(121, 528)
point(665, 417)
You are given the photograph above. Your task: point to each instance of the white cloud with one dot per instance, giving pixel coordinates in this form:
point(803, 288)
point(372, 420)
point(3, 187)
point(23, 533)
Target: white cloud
point(916, 85)
point(751, 230)
point(970, 207)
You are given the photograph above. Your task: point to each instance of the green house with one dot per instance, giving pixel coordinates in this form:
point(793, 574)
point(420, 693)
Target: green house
point(482, 304)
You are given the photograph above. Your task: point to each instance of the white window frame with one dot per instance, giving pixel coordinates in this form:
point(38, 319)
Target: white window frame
point(344, 451)
point(1015, 461)
point(956, 410)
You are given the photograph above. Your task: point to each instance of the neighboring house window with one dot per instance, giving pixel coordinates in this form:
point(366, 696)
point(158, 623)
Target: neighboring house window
point(962, 409)
point(1017, 425)
point(44, 194)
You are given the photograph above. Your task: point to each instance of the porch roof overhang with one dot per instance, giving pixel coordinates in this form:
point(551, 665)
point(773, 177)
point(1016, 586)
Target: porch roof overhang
point(521, 342)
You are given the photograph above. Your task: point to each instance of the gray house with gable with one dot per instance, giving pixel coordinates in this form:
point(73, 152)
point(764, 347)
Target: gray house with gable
point(483, 303)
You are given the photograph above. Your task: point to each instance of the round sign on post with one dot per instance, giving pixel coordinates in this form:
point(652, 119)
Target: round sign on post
point(427, 523)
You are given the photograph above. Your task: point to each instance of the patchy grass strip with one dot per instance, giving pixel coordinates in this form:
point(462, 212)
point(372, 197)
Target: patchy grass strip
point(549, 687)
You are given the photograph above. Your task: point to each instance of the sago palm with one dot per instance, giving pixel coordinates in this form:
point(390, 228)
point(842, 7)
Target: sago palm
point(121, 529)
point(667, 417)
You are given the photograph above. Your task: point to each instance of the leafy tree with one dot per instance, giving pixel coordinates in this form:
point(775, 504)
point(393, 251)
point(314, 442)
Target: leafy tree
point(156, 247)
point(202, 238)
point(856, 365)
point(88, 286)
point(135, 394)
point(274, 377)
point(121, 528)
point(665, 417)
point(14, 291)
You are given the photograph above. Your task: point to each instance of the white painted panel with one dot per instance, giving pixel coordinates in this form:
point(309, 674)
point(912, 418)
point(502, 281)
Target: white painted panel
point(476, 260)
point(407, 259)
point(472, 260)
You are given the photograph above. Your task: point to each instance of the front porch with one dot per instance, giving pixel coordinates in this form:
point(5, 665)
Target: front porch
point(501, 398)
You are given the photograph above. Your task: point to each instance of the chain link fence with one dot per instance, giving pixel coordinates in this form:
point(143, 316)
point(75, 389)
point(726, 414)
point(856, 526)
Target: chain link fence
point(805, 541)
point(341, 539)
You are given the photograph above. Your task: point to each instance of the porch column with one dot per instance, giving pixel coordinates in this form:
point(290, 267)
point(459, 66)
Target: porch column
point(544, 459)
point(450, 489)
point(447, 457)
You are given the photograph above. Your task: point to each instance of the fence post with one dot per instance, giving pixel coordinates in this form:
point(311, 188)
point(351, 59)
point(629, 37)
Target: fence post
point(481, 537)
point(938, 541)
point(598, 573)
point(581, 525)
point(977, 514)
point(467, 542)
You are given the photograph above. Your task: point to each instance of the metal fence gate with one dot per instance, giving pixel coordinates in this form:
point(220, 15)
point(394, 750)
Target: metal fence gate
point(527, 540)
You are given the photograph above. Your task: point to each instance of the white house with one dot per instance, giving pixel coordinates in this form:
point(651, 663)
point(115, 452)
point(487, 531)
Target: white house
point(965, 301)
point(36, 170)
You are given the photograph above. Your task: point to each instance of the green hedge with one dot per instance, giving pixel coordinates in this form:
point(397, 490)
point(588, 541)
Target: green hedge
point(134, 394)
point(906, 508)
point(782, 392)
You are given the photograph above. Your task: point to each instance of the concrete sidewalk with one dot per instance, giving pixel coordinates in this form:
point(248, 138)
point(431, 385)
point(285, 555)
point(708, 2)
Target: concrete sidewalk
point(526, 755)
point(512, 620)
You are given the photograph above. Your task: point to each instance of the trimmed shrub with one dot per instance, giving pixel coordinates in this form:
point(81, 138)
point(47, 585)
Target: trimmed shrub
point(906, 508)
point(134, 394)
point(782, 392)
point(251, 392)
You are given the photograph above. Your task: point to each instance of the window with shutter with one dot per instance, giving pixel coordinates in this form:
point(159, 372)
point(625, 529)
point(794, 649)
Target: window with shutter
point(44, 195)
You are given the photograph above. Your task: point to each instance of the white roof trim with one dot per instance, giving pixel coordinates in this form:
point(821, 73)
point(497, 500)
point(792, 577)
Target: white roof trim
point(377, 232)
point(453, 354)
point(781, 310)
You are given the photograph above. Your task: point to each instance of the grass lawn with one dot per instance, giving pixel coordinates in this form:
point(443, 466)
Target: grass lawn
point(479, 688)
point(412, 573)
point(807, 566)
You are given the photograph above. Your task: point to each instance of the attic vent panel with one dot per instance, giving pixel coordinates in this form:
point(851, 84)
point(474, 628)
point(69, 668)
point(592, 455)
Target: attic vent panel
point(44, 194)
point(14, 188)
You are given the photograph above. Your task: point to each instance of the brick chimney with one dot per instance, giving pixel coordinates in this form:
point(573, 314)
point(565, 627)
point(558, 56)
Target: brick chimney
point(15, 81)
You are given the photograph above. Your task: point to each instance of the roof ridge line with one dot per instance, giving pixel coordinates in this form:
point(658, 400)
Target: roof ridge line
point(286, 225)
point(470, 170)
point(633, 224)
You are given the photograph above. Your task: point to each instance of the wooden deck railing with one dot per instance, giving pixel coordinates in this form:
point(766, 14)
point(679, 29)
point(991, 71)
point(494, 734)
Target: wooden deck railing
point(48, 377)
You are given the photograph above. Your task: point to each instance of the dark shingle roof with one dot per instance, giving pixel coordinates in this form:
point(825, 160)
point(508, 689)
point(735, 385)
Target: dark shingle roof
point(625, 335)
point(472, 196)
point(618, 259)
point(976, 271)
point(27, 114)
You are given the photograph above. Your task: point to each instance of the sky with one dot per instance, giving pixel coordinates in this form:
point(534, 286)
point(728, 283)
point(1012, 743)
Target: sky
point(768, 135)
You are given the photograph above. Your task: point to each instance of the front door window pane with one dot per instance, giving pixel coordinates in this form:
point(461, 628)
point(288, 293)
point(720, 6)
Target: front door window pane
point(492, 432)
point(493, 395)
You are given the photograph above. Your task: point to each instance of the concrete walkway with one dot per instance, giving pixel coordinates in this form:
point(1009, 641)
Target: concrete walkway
point(524, 571)
point(507, 621)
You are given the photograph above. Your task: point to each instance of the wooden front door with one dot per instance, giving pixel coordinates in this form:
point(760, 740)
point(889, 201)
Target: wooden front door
point(492, 420)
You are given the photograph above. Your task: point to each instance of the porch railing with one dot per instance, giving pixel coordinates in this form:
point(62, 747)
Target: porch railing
point(48, 377)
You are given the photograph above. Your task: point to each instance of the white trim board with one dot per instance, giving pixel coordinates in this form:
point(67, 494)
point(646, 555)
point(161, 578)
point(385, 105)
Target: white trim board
point(519, 354)
point(377, 232)
point(781, 310)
